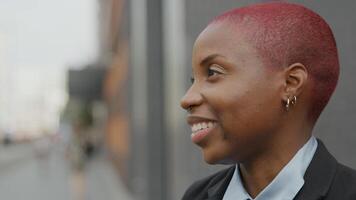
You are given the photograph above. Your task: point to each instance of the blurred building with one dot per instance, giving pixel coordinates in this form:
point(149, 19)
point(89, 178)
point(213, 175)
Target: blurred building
point(36, 45)
point(146, 48)
point(24, 98)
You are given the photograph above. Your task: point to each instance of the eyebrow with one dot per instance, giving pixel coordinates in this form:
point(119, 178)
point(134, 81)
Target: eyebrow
point(209, 58)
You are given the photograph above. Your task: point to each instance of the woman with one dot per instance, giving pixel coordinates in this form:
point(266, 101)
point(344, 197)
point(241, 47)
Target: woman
point(262, 75)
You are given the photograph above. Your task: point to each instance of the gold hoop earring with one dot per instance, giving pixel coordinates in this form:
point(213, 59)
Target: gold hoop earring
point(292, 101)
point(287, 104)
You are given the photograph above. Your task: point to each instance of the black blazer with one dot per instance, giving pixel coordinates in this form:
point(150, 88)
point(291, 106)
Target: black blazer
point(325, 179)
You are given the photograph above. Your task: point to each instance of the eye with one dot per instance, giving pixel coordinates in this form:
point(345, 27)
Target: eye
point(214, 70)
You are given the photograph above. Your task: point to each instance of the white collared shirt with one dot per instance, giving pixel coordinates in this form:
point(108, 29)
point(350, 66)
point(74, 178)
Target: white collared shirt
point(285, 185)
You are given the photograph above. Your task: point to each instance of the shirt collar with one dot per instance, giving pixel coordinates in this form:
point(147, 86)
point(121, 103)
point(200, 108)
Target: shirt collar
point(285, 185)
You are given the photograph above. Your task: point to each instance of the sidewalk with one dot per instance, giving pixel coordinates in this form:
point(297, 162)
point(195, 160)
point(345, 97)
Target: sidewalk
point(102, 181)
point(23, 175)
point(13, 154)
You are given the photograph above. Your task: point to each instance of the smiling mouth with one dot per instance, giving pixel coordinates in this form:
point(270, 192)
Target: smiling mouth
point(201, 130)
point(201, 126)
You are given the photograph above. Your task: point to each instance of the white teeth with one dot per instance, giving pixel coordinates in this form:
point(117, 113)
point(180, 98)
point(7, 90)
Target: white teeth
point(199, 126)
point(193, 128)
point(210, 124)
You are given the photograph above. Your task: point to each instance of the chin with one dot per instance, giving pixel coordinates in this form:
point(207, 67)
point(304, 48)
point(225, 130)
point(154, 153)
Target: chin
point(213, 159)
point(210, 161)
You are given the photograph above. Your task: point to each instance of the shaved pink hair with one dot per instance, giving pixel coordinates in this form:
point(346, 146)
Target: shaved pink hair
point(285, 33)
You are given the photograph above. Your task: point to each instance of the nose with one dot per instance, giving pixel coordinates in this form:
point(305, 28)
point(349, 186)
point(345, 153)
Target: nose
point(191, 99)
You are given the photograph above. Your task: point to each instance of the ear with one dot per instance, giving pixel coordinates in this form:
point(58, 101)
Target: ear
point(295, 78)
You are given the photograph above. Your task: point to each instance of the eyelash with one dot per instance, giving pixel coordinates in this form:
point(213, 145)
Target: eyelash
point(212, 72)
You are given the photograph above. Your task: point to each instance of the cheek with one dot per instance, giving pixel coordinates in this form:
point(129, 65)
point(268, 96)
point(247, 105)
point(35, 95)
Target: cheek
point(234, 110)
point(245, 111)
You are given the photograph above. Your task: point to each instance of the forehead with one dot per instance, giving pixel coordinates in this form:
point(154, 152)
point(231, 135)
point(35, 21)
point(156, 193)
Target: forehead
point(224, 39)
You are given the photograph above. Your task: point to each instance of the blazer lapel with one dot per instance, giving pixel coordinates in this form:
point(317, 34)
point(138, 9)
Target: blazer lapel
point(319, 175)
point(217, 190)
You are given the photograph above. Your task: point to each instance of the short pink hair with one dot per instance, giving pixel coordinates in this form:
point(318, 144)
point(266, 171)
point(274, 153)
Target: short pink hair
point(285, 33)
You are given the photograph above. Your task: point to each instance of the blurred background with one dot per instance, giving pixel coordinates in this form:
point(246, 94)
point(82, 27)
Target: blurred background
point(90, 90)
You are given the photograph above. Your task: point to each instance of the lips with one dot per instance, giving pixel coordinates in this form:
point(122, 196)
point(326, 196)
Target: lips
point(201, 131)
point(201, 127)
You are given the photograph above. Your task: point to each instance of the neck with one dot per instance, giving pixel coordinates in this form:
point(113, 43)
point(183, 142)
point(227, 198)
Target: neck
point(258, 172)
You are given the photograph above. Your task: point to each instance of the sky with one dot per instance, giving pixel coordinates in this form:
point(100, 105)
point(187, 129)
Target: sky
point(48, 32)
point(39, 41)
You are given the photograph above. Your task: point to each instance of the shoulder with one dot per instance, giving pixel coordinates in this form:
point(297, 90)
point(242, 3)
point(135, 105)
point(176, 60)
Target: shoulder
point(342, 178)
point(346, 174)
point(343, 184)
point(199, 189)
point(345, 181)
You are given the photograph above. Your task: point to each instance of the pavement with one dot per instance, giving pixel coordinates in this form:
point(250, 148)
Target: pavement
point(31, 173)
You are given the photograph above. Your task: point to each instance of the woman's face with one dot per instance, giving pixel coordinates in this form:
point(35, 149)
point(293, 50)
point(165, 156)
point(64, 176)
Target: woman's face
point(234, 102)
